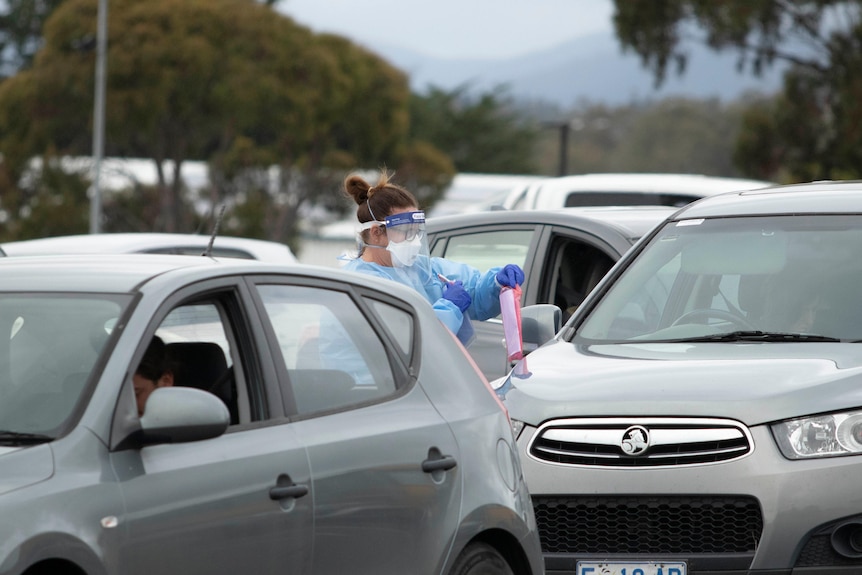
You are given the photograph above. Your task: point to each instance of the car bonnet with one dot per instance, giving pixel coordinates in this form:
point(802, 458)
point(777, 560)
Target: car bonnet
point(754, 383)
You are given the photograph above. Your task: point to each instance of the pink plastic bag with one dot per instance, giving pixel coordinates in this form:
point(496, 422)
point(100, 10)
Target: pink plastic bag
point(510, 308)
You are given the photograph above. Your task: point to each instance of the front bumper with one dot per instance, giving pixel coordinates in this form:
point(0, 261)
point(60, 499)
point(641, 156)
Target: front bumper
point(758, 514)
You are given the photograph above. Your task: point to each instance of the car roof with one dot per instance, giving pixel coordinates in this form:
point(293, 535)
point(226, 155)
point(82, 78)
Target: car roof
point(141, 242)
point(825, 197)
point(698, 184)
point(630, 221)
point(553, 192)
point(126, 273)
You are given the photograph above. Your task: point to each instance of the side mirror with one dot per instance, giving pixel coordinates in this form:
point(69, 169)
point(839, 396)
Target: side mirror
point(181, 414)
point(539, 324)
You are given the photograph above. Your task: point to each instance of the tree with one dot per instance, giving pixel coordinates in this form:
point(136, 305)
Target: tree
point(21, 24)
point(482, 133)
point(229, 80)
point(812, 127)
point(21, 32)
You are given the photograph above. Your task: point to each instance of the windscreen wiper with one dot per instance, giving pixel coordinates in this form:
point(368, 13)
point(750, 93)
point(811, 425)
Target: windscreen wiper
point(8, 437)
point(756, 335)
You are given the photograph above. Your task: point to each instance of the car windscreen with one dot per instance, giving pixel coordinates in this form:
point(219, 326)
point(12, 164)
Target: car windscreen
point(776, 278)
point(49, 345)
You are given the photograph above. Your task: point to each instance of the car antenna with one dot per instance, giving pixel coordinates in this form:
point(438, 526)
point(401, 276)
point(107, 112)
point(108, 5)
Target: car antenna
point(209, 252)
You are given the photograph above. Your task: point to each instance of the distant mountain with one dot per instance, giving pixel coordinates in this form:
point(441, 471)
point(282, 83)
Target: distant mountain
point(589, 68)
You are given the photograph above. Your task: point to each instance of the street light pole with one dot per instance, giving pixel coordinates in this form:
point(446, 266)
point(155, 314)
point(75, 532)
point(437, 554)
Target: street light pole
point(99, 117)
point(563, 127)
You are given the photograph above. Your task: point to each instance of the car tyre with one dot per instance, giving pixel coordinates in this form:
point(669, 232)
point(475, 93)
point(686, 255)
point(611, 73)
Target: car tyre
point(480, 559)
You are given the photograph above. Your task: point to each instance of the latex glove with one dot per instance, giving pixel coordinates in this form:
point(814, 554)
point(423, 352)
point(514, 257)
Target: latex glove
point(455, 292)
point(510, 276)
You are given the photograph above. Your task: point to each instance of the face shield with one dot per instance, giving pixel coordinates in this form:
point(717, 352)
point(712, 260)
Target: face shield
point(407, 240)
point(408, 245)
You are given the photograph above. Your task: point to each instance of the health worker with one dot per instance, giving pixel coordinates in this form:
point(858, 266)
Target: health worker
point(391, 243)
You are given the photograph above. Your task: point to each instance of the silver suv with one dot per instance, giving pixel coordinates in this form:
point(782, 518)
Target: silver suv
point(701, 412)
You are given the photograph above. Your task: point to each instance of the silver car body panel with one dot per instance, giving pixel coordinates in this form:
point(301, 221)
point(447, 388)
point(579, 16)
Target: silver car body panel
point(96, 500)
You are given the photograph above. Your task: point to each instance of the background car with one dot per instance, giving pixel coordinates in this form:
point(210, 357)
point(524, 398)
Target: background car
point(256, 459)
point(702, 410)
point(626, 189)
point(564, 253)
point(152, 243)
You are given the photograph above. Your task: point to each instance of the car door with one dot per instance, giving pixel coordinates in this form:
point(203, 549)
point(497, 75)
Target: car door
point(561, 265)
point(384, 463)
point(238, 503)
point(484, 247)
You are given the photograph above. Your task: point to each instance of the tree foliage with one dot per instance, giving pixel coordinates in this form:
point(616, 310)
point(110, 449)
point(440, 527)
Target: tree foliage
point(482, 133)
point(812, 128)
point(21, 32)
point(228, 81)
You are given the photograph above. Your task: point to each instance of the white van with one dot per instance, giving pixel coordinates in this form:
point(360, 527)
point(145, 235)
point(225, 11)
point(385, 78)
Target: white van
point(622, 190)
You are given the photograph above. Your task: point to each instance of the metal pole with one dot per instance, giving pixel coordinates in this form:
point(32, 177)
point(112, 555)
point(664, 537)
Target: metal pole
point(564, 148)
point(99, 117)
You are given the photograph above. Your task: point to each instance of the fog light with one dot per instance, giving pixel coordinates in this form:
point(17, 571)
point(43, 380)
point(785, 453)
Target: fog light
point(847, 540)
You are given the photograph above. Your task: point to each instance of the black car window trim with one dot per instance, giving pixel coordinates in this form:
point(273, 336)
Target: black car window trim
point(401, 369)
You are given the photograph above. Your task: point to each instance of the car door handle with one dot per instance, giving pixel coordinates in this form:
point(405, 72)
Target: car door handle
point(286, 491)
point(443, 463)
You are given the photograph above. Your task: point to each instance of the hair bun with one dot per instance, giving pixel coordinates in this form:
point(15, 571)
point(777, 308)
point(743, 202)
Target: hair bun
point(357, 188)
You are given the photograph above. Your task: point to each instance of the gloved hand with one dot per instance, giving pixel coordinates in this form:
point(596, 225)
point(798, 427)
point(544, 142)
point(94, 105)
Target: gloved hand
point(455, 292)
point(510, 276)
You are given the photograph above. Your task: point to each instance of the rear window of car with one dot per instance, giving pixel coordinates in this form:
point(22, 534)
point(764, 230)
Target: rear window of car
point(581, 199)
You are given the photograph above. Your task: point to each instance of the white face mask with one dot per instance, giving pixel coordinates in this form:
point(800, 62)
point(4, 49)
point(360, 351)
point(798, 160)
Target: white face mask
point(404, 253)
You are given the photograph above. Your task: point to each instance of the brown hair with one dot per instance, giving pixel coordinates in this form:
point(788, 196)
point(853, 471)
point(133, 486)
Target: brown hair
point(384, 197)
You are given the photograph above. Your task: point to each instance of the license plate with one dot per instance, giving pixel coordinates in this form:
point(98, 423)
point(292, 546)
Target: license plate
point(630, 568)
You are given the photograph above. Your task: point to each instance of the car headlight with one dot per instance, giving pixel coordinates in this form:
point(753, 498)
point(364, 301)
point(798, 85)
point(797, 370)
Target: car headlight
point(829, 435)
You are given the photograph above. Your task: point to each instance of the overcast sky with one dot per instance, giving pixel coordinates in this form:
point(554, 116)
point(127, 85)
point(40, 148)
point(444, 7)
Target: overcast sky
point(455, 28)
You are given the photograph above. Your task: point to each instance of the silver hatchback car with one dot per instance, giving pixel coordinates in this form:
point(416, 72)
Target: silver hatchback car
point(701, 412)
point(248, 449)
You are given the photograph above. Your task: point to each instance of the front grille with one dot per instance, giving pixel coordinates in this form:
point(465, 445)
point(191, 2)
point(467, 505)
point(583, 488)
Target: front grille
point(649, 525)
point(644, 442)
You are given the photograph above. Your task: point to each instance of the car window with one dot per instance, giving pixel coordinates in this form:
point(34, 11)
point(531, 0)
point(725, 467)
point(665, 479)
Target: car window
point(574, 267)
point(333, 358)
point(584, 198)
point(484, 250)
point(49, 345)
point(778, 275)
point(398, 321)
point(200, 345)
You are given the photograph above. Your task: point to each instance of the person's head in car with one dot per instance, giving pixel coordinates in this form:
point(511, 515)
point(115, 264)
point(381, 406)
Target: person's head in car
point(154, 371)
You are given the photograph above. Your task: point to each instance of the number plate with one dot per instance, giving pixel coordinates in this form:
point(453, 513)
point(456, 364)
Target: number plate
point(630, 568)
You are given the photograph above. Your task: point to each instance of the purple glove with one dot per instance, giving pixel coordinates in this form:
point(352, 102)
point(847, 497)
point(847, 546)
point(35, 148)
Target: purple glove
point(510, 276)
point(455, 292)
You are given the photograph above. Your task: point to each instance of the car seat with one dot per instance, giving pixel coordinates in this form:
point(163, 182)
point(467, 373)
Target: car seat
point(202, 365)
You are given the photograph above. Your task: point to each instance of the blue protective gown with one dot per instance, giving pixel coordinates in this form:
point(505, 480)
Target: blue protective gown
point(482, 287)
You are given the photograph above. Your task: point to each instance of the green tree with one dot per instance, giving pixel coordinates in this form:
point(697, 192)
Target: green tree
point(360, 121)
point(813, 126)
point(186, 79)
point(21, 23)
point(482, 133)
point(21, 32)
